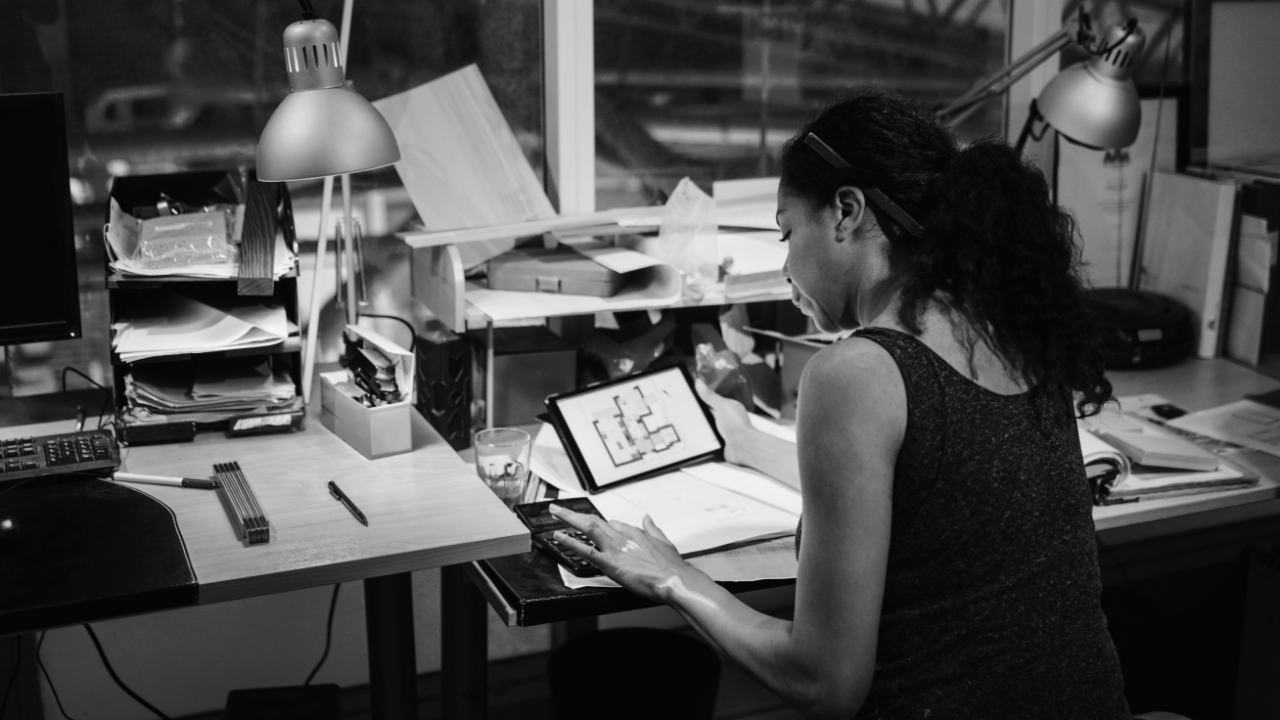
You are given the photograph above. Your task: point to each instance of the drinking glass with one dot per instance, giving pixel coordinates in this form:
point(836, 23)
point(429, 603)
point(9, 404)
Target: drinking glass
point(502, 461)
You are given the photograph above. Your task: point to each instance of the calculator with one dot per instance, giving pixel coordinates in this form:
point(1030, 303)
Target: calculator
point(543, 525)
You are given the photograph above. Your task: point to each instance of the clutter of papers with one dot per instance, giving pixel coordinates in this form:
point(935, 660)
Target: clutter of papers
point(1129, 456)
point(191, 245)
point(210, 391)
point(174, 324)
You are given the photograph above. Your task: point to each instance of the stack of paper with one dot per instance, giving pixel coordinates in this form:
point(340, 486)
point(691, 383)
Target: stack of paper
point(235, 386)
point(178, 325)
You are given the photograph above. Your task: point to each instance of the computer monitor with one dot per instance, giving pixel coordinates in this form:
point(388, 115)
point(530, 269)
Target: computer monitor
point(39, 291)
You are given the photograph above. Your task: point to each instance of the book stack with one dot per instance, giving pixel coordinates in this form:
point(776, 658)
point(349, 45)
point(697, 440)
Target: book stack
point(1128, 457)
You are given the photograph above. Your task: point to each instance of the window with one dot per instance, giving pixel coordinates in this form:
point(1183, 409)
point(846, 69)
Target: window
point(712, 90)
point(161, 86)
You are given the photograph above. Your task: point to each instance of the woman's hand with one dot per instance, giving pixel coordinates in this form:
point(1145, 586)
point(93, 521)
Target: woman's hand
point(731, 421)
point(641, 560)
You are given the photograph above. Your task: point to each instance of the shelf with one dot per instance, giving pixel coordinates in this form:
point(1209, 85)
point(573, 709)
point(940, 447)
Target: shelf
point(116, 281)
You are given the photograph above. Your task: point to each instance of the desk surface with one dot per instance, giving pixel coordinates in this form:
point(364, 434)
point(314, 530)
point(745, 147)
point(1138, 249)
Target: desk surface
point(426, 508)
point(526, 589)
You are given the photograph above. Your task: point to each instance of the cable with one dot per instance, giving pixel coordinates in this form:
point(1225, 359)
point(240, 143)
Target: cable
point(328, 634)
point(102, 654)
point(110, 396)
point(413, 334)
point(13, 677)
point(308, 12)
point(48, 679)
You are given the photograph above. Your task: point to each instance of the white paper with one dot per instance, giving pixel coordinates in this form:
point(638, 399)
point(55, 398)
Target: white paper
point(749, 483)
point(617, 259)
point(1243, 422)
point(400, 357)
point(695, 515)
point(549, 461)
point(768, 560)
point(177, 325)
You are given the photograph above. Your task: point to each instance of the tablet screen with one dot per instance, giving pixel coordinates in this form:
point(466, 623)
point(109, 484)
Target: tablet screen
point(637, 425)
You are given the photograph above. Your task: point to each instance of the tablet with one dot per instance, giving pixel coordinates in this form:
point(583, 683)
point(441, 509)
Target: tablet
point(634, 427)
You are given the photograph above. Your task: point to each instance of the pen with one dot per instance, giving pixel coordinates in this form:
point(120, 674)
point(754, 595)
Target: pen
point(341, 497)
point(202, 483)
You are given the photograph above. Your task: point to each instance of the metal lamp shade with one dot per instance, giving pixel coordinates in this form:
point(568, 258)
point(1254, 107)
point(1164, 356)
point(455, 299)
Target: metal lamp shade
point(316, 133)
point(1094, 103)
point(1091, 110)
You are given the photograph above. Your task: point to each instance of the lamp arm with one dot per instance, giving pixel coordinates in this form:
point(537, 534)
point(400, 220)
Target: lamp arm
point(992, 86)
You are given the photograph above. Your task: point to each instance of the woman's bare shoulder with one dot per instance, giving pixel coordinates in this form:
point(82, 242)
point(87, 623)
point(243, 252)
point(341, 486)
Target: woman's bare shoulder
point(856, 380)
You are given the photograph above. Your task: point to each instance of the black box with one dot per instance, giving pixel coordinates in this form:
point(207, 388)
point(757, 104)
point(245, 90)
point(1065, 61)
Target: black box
point(442, 384)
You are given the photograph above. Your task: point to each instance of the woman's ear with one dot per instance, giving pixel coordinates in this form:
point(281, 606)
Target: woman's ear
point(851, 207)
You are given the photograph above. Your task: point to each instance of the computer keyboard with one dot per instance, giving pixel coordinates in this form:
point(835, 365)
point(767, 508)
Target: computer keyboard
point(88, 451)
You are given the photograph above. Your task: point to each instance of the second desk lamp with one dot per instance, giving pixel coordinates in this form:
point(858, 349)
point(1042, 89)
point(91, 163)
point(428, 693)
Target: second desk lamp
point(323, 128)
point(1092, 103)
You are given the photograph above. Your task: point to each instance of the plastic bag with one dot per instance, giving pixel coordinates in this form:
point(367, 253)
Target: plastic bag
point(184, 240)
point(687, 238)
point(723, 373)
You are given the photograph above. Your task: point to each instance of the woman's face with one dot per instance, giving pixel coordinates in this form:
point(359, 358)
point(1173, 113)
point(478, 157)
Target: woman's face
point(815, 263)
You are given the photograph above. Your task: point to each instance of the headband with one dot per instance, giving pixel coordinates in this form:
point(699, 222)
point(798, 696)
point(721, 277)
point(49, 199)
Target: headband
point(881, 200)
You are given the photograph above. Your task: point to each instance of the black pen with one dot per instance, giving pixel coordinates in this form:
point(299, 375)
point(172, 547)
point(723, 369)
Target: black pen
point(341, 497)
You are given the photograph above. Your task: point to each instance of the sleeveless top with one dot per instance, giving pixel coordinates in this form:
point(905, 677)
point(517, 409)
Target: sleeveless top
point(992, 596)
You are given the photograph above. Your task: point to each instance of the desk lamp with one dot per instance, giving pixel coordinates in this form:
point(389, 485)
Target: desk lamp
point(323, 128)
point(1092, 103)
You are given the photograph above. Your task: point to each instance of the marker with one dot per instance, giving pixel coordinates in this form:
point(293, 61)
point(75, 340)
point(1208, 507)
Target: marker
point(341, 497)
point(202, 483)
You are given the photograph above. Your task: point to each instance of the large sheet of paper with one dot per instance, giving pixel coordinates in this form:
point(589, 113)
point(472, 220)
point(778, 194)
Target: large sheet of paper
point(768, 560)
point(695, 515)
point(1244, 422)
point(460, 161)
point(751, 203)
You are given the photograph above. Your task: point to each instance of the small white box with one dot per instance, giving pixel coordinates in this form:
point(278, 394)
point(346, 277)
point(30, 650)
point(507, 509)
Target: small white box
point(374, 431)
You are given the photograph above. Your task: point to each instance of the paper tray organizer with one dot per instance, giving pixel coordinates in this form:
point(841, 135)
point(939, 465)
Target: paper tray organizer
point(559, 270)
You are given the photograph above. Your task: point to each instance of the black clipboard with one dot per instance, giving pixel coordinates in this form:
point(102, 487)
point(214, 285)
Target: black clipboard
point(574, 450)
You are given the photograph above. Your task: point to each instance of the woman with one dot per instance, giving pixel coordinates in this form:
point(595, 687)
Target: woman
point(948, 565)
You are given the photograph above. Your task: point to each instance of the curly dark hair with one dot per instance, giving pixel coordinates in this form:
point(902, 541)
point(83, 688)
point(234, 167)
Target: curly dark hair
point(994, 242)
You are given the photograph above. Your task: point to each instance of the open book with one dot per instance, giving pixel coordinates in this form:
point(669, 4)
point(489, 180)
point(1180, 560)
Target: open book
point(1115, 446)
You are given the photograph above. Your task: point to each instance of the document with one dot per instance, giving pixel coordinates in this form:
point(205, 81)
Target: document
point(178, 325)
point(767, 560)
point(1244, 422)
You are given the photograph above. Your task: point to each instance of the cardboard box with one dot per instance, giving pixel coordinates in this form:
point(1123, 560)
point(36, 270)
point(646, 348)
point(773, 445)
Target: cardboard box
point(373, 431)
point(376, 431)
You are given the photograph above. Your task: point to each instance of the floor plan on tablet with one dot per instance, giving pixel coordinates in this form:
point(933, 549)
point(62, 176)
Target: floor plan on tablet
point(635, 426)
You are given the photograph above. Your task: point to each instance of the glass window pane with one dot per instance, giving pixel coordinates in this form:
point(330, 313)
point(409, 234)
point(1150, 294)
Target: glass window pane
point(711, 90)
point(160, 86)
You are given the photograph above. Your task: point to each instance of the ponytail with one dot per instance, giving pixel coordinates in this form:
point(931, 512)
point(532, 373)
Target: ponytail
point(1006, 255)
point(1003, 253)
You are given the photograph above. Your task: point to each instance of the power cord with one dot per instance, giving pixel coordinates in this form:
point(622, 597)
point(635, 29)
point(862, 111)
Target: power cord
point(102, 654)
point(102, 410)
point(48, 679)
point(413, 334)
point(13, 677)
point(328, 634)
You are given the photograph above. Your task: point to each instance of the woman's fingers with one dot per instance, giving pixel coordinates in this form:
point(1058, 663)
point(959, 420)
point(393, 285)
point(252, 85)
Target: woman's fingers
point(652, 528)
point(592, 526)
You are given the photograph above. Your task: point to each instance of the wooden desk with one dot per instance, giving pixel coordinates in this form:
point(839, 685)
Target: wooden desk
point(426, 509)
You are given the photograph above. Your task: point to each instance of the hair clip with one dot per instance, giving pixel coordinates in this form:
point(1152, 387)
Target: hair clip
point(873, 194)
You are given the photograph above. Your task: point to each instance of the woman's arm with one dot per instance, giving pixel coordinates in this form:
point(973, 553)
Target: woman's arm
point(850, 429)
point(745, 445)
